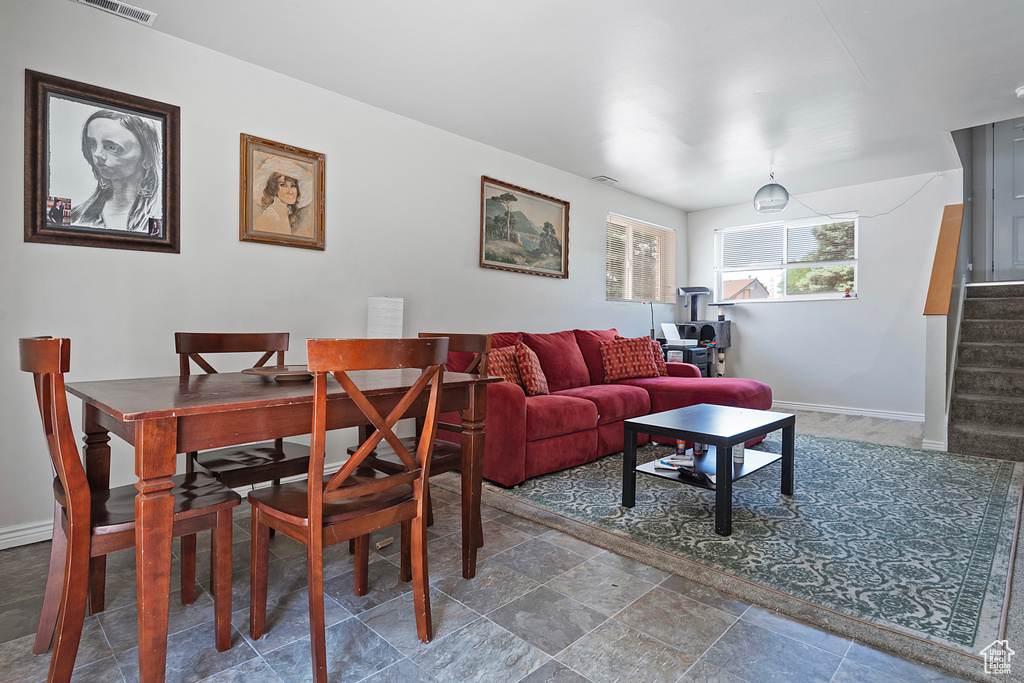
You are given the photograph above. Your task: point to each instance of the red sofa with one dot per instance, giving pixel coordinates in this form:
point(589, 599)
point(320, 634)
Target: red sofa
point(581, 419)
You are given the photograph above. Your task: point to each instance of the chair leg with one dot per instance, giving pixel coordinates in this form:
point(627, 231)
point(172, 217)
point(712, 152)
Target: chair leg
point(420, 581)
point(362, 564)
point(97, 583)
point(54, 584)
point(188, 569)
point(478, 533)
point(317, 634)
point(405, 564)
point(220, 578)
point(72, 607)
point(430, 508)
point(258, 575)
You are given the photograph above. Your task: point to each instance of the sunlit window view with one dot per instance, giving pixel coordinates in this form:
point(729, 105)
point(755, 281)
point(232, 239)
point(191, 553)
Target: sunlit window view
point(796, 260)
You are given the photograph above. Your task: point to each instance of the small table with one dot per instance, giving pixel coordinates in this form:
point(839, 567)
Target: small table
point(721, 427)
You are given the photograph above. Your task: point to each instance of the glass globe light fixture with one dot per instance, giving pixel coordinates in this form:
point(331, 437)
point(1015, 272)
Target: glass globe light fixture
point(771, 198)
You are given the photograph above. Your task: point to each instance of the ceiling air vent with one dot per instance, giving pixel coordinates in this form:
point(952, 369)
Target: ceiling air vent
point(604, 179)
point(122, 9)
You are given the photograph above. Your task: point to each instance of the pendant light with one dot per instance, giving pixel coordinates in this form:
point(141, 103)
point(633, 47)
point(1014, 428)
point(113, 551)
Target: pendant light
point(771, 198)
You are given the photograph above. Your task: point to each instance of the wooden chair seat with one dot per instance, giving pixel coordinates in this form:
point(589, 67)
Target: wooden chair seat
point(238, 466)
point(291, 501)
point(88, 524)
point(113, 510)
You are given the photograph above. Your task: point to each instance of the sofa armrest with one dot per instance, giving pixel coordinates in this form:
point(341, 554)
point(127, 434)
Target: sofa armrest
point(682, 370)
point(505, 434)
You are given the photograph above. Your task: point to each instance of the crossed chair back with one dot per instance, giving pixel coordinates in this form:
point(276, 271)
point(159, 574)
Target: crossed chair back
point(190, 347)
point(356, 500)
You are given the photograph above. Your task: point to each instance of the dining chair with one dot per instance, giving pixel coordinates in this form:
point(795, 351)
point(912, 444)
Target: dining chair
point(447, 455)
point(93, 523)
point(356, 500)
point(247, 464)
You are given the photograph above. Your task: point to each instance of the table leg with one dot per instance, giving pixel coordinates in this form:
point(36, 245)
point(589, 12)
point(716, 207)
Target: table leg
point(628, 468)
point(97, 471)
point(155, 460)
point(788, 456)
point(472, 477)
point(723, 491)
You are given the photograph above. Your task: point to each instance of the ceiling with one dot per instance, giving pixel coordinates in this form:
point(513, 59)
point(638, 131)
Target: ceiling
point(686, 102)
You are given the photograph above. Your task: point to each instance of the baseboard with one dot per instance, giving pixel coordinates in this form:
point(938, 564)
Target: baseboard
point(23, 534)
point(930, 445)
point(863, 412)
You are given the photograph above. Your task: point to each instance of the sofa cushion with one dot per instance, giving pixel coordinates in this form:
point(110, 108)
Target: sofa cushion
point(588, 341)
point(615, 402)
point(534, 381)
point(669, 393)
point(503, 339)
point(561, 359)
point(502, 363)
point(627, 358)
point(555, 415)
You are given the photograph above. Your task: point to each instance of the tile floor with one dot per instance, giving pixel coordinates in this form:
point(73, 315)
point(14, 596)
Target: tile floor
point(543, 607)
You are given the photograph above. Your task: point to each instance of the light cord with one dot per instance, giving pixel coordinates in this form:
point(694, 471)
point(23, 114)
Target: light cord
point(884, 213)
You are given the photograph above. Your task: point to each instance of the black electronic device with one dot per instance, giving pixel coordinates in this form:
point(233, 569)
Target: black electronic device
point(697, 355)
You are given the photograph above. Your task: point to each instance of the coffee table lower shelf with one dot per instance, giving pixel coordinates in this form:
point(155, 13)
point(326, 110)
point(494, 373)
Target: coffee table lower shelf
point(706, 464)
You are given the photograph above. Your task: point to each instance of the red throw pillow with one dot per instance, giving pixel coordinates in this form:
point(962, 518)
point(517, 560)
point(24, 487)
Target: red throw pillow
point(534, 381)
point(659, 360)
point(657, 357)
point(627, 359)
point(502, 363)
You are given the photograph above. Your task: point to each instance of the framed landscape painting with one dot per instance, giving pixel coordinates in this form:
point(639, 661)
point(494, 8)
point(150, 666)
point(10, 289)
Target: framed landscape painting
point(523, 231)
point(282, 198)
point(101, 167)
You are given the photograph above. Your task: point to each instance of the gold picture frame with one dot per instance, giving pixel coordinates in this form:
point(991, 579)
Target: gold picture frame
point(523, 231)
point(282, 194)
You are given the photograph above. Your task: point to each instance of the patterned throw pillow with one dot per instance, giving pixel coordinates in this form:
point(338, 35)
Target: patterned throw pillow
point(534, 381)
point(502, 363)
point(627, 359)
point(659, 360)
point(657, 356)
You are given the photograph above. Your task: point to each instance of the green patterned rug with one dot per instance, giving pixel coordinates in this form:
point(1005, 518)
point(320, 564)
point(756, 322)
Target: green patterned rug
point(911, 540)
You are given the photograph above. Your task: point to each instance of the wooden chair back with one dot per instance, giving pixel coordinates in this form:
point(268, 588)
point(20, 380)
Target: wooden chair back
point(191, 345)
point(338, 357)
point(477, 344)
point(48, 359)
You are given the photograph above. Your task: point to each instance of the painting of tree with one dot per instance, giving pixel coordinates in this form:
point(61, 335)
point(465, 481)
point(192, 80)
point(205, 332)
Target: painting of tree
point(523, 231)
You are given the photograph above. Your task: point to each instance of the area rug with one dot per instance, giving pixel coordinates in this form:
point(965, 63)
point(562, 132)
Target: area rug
point(915, 542)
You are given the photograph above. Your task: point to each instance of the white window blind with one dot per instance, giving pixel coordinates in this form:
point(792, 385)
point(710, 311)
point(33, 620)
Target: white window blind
point(805, 259)
point(641, 261)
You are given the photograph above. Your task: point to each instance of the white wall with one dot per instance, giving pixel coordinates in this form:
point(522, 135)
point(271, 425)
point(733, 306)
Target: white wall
point(865, 354)
point(402, 220)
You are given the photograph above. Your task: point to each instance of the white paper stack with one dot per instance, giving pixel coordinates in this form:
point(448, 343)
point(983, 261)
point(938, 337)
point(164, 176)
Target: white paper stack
point(384, 317)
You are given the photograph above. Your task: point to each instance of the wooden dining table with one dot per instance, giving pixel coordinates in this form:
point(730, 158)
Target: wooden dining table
point(164, 416)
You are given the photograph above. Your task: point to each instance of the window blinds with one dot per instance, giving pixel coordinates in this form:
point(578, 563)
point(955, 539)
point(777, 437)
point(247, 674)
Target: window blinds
point(641, 261)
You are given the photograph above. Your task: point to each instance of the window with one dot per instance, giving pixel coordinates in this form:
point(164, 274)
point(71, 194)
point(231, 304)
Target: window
point(795, 260)
point(641, 261)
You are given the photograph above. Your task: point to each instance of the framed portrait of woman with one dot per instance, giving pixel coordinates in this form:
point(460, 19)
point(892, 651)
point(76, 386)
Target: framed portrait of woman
point(282, 198)
point(101, 167)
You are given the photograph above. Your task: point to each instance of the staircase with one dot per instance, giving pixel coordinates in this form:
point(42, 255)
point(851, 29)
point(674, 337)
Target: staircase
point(986, 415)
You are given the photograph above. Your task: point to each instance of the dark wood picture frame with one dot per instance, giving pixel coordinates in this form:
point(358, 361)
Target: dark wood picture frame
point(531, 237)
point(67, 187)
point(291, 213)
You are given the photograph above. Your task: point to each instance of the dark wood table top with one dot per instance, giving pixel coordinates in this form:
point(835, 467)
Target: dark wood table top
point(712, 422)
point(156, 397)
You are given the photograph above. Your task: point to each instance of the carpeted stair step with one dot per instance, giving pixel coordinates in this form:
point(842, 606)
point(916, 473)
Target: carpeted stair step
point(1011, 331)
point(994, 309)
point(990, 381)
point(986, 441)
point(995, 291)
point(990, 355)
point(988, 410)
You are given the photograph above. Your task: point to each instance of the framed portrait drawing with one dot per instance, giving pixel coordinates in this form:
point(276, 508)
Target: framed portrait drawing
point(282, 199)
point(523, 231)
point(101, 167)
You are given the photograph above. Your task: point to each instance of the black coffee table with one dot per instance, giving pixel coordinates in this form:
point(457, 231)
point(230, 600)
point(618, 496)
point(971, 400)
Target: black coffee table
point(721, 427)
